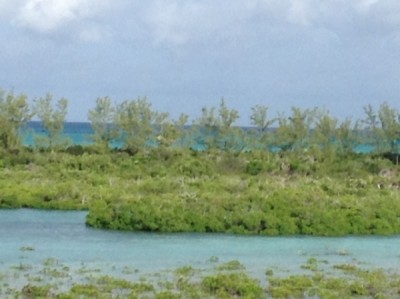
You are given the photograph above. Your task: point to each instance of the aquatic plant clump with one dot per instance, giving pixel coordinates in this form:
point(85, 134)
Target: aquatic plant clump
point(189, 282)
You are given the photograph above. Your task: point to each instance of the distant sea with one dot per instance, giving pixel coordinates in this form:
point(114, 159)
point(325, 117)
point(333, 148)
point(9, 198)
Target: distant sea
point(81, 133)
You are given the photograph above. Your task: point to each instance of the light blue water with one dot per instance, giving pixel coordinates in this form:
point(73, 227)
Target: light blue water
point(81, 133)
point(78, 133)
point(64, 236)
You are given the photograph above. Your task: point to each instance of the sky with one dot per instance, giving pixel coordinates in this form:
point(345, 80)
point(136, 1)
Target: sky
point(340, 55)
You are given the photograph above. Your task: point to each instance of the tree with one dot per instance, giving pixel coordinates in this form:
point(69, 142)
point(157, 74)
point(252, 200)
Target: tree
point(171, 132)
point(259, 119)
point(52, 117)
point(390, 126)
point(14, 115)
point(293, 131)
point(215, 126)
point(102, 118)
point(325, 131)
point(348, 136)
point(227, 116)
point(229, 136)
point(373, 132)
point(203, 130)
point(138, 123)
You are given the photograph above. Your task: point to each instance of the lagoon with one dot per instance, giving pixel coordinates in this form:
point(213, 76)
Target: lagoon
point(32, 237)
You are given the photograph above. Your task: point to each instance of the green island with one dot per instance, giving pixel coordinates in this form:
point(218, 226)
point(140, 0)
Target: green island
point(296, 174)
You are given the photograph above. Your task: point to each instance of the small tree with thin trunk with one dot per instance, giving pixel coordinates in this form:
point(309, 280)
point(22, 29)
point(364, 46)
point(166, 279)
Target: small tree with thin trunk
point(52, 117)
point(372, 131)
point(325, 131)
point(215, 126)
point(390, 125)
point(259, 119)
point(102, 118)
point(138, 123)
point(14, 115)
point(293, 131)
point(171, 132)
point(348, 136)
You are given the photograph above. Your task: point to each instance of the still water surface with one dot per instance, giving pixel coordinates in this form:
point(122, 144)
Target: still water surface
point(64, 236)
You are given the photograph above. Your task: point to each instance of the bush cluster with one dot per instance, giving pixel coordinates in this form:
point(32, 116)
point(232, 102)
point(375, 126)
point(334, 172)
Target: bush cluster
point(212, 191)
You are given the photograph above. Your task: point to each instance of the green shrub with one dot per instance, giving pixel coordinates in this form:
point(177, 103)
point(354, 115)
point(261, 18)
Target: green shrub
point(31, 291)
point(232, 285)
point(254, 167)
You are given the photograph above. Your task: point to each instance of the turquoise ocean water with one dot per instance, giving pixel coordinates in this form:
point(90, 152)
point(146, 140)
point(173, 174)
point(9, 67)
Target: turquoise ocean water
point(81, 133)
point(62, 236)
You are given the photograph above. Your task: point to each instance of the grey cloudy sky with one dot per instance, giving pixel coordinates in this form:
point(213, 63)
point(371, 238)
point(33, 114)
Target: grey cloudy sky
point(186, 54)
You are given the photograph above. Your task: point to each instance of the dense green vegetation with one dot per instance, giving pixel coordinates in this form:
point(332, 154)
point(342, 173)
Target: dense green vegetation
point(303, 177)
point(173, 191)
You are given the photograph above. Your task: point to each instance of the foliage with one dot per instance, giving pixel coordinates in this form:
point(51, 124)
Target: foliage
point(252, 193)
point(232, 285)
point(325, 133)
point(317, 279)
point(315, 184)
point(53, 119)
point(137, 123)
point(215, 127)
point(254, 204)
point(292, 132)
point(101, 118)
point(259, 119)
point(171, 132)
point(390, 125)
point(382, 127)
point(14, 115)
point(30, 291)
point(137, 126)
point(356, 284)
point(348, 137)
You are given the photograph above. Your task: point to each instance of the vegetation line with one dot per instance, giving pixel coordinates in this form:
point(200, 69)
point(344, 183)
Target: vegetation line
point(303, 177)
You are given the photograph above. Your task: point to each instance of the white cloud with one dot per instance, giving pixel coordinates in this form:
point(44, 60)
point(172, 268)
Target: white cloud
point(177, 22)
point(300, 12)
point(47, 16)
point(363, 6)
point(8, 8)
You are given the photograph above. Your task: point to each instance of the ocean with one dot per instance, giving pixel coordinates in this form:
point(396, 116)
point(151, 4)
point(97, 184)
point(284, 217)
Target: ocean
point(81, 133)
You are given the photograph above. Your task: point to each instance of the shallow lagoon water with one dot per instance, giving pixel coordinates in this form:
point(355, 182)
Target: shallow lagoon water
point(63, 236)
